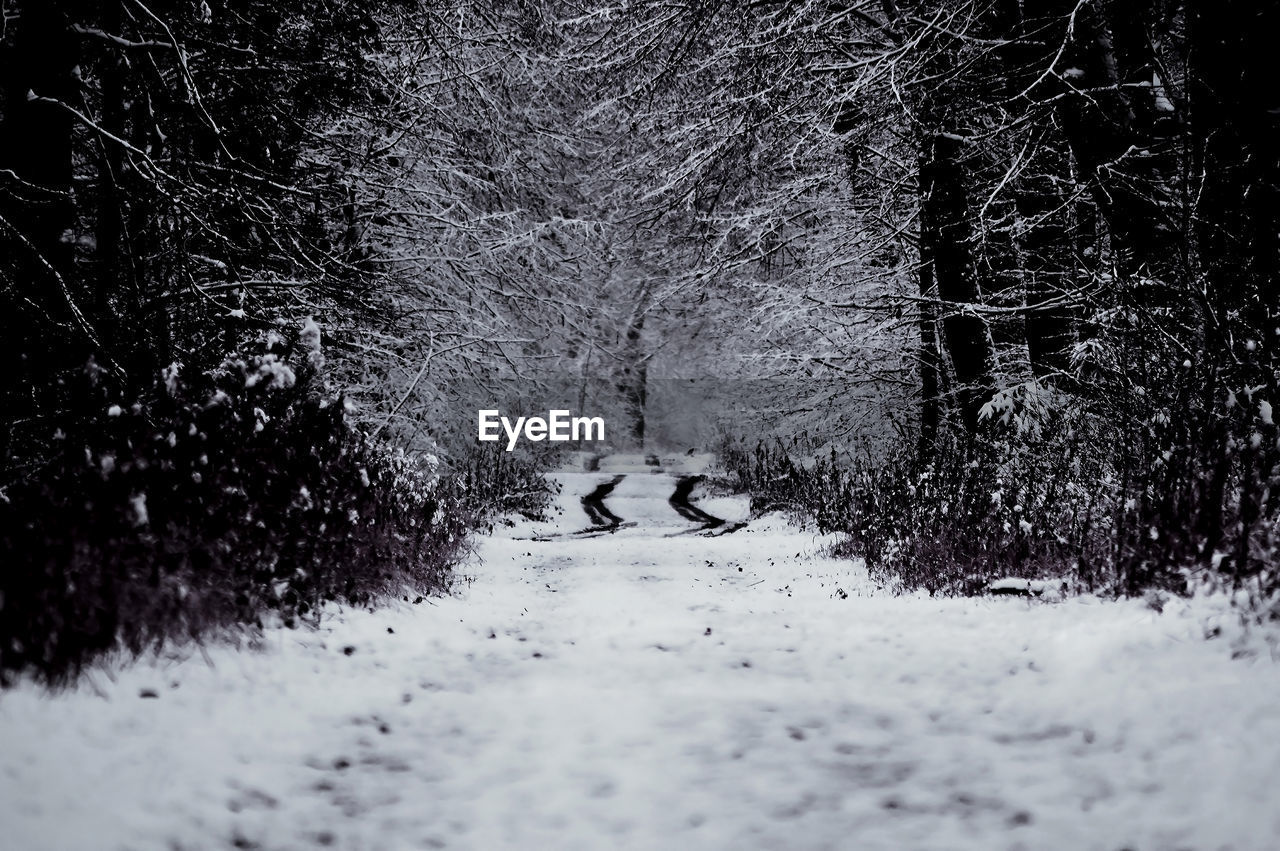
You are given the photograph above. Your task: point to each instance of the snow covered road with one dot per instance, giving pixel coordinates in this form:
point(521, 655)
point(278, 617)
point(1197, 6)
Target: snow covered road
point(656, 690)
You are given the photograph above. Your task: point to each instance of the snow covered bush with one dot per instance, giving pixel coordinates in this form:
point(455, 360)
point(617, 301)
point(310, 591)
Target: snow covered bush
point(1047, 492)
point(948, 527)
point(970, 517)
point(498, 483)
point(224, 497)
point(789, 477)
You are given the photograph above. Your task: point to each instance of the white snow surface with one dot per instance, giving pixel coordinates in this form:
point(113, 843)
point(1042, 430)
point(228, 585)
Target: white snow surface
point(634, 690)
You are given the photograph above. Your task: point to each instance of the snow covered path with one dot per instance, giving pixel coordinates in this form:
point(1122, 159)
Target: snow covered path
point(653, 690)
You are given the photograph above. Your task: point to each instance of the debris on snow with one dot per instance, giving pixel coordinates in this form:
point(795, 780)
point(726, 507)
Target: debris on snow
point(1043, 588)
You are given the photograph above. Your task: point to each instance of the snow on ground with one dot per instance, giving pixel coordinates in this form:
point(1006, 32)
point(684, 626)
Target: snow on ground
point(654, 690)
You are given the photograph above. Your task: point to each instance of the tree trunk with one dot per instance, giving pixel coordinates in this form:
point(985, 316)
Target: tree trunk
point(946, 238)
point(1040, 201)
point(1047, 265)
point(40, 343)
point(635, 379)
point(929, 362)
point(109, 228)
point(1235, 130)
point(1119, 133)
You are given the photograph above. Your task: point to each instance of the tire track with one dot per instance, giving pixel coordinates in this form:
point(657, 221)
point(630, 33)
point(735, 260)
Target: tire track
point(593, 503)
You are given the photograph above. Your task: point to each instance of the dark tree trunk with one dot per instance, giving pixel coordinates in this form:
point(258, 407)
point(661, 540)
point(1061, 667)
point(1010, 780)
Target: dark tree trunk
point(635, 380)
point(1235, 130)
point(946, 237)
point(1047, 265)
point(109, 227)
point(39, 83)
point(1235, 119)
point(929, 361)
point(40, 341)
point(1119, 133)
point(1040, 201)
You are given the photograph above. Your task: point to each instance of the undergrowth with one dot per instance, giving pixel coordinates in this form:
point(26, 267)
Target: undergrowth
point(222, 499)
point(1075, 499)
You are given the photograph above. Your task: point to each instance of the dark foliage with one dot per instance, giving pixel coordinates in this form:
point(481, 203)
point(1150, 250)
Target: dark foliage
point(222, 498)
point(164, 166)
point(499, 483)
point(948, 527)
point(1067, 502)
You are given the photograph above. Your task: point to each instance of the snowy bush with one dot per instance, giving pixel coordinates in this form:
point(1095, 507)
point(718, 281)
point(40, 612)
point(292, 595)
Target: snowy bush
point(948, 527)
point(225, 497)
point(496, 483)
point(1048, 491)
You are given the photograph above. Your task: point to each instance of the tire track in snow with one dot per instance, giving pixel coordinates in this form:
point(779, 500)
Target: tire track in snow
point(593, 504)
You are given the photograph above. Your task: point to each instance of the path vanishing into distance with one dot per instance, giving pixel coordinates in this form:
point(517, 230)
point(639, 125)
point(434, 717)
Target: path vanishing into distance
point(645, 677)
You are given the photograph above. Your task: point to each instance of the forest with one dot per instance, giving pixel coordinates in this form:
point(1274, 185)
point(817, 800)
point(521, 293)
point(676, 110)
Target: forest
point(986, 287)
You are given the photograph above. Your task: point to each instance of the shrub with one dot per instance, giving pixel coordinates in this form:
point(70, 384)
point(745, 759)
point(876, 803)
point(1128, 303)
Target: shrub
point(949, 526)
point(219, 499)
point(497, 483)
point(1048, 491)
